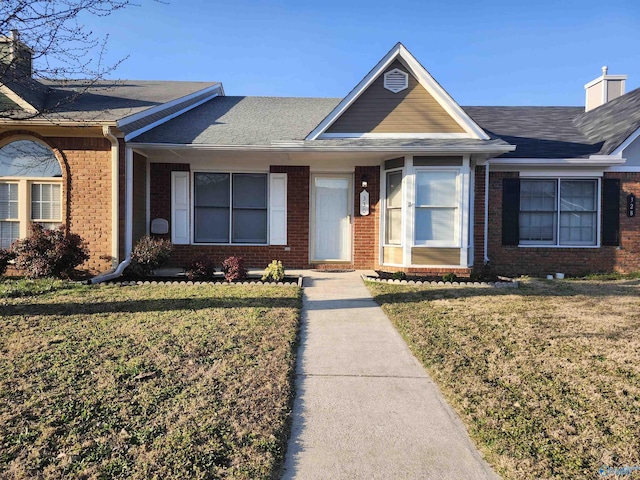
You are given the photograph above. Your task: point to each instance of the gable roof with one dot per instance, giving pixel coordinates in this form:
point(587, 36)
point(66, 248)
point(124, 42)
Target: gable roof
point(612, 123)
point(399, 52)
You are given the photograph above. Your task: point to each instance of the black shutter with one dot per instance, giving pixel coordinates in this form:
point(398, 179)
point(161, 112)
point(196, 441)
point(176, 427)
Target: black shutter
point(510, 211)
point(611, 211)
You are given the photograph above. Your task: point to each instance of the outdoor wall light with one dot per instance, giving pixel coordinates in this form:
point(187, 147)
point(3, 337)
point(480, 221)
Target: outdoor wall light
point(364, 181)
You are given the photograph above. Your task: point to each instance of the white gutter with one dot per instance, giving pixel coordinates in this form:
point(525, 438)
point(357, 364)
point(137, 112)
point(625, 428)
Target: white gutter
point(493, 149)
point(486, 213)
point(115, 183)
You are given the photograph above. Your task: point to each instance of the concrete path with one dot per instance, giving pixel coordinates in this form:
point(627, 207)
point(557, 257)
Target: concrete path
point(365, 408)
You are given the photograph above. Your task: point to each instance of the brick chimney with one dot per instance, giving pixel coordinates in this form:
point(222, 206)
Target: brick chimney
point(604, 89)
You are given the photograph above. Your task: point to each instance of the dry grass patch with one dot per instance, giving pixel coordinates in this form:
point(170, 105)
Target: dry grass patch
point(145, 382)
point(546, 377)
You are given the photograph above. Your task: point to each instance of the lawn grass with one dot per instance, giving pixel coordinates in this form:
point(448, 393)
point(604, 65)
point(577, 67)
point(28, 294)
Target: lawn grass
point(546, 377)
point(145, 382)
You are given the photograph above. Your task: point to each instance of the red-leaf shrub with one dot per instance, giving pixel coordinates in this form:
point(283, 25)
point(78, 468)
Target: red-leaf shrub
point(233, 268)
point(148, 254)
point(49, 253)
point(201, 266)
point(5, 257)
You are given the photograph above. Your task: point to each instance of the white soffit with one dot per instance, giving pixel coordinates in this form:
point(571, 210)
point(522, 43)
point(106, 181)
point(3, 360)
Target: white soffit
point(472, 129)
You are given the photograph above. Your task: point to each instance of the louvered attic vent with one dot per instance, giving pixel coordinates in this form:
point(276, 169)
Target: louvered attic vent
point(396, 80)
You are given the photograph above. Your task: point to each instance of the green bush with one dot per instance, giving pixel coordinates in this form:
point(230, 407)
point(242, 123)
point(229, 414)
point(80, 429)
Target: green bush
point(49, 253)
point(274, 272)
point(450, 277)
point(233, 269)
point(399, 276)
point(201, 266)
point(5, 257)
point(148, 254)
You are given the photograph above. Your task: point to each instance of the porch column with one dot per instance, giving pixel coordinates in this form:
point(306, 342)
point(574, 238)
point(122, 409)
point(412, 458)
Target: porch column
point(465, 206)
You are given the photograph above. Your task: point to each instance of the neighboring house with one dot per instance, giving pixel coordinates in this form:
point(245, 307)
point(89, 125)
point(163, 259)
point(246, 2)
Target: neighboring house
point(523, 190)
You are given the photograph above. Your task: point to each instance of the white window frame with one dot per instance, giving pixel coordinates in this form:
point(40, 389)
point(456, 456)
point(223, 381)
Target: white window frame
point(458, 207)
point(230, 173)
point(598, 212)
point(24, 201)
point(402, 208)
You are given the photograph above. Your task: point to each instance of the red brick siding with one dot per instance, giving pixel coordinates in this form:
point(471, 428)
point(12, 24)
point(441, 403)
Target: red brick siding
point(513, 260)
point(366, 229)
point(86, 180)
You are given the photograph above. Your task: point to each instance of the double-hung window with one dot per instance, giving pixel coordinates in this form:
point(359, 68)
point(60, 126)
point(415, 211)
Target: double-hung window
point(436, 208)
point(393, 220)
point(30, 189)
point(558, 212)
point(230, 208)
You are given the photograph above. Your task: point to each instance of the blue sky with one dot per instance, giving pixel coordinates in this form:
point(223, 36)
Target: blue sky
point(515, 52)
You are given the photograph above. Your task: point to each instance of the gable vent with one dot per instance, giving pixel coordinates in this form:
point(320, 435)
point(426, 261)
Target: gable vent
point(396, 80)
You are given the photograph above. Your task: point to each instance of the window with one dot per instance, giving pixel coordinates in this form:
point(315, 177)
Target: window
point(393, 219)
point(230, 207)
point(436, 208)
point(30, 189)
point(558, 212)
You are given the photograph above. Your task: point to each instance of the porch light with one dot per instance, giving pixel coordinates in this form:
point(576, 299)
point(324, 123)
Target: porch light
point(364, 181)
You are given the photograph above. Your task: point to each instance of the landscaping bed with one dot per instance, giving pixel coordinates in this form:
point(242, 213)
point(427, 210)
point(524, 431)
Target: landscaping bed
point(402, 278)
point(545, 377)
point(166, 382)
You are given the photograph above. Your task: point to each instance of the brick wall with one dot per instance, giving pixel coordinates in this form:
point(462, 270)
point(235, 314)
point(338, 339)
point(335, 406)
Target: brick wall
point(513, 260)
point(86, 183)
point(366, 237)
point(255, 256)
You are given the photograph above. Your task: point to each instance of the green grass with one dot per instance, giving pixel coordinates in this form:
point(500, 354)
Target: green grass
point(166, 382)
point(545, 377)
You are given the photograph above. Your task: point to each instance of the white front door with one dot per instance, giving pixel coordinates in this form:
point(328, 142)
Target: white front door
point(332, 218)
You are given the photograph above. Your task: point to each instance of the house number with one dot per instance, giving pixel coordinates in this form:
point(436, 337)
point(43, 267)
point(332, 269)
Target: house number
point(364, 203)
point(631, 205)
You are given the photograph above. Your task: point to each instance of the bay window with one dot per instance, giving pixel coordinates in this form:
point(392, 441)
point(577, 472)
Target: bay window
point(436, 208)
point(393, 218)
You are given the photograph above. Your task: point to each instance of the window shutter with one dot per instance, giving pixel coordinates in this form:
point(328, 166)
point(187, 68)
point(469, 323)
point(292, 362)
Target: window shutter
point(611, 211)
point(180, 208)
point(510, 211)
point(278, 209)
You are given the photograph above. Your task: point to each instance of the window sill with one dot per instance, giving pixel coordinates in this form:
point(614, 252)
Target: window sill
point(559, 246)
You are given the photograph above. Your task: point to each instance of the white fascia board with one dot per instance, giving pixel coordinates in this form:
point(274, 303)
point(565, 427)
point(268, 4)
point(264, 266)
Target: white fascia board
point(159, 108)
point(355, 93)
point(605, 77)
point(326, 136)
point(146, 128)
point(17, 99)
point(593, 161)
point(492, 149)
point(630, 139)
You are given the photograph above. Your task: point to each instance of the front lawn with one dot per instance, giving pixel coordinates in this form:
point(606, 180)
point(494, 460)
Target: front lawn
point(545, 377)
point(145, 382)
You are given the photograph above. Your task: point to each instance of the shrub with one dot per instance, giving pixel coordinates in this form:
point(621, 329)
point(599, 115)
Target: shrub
point(274, 272)
point(49, 253)
point(233, 269)
point(5, 257)
point(148, 254)
point(200, 267)
point(449, 277)
point(399, 276)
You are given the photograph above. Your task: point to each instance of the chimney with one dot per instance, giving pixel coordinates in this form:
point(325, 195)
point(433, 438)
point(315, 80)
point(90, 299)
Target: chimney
point(604, 89)
point(16, 55)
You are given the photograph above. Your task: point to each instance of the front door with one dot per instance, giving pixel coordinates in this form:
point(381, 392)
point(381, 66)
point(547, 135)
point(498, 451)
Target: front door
point(332, 218)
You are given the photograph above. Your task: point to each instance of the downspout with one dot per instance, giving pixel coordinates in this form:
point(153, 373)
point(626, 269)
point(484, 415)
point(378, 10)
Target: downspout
point(486, 213)
point(115, 217)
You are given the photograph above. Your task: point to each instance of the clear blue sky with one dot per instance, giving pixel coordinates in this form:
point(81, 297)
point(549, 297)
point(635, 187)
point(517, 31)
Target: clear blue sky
point(535, 52)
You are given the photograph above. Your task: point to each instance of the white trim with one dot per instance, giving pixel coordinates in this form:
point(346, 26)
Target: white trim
point(561, 173)
point(464, 215)
point(277, 237)
point(482, 148)
point(17, 99)
point(146, 128)
point(618, 151)
point(163, 106)
point(408, 208)
point(423, 77)
point(181, 208)
point(327, 136)
point(128, 236)
point(605, 77)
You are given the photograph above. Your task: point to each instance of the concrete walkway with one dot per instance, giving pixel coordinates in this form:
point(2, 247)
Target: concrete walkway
point(365, 408)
